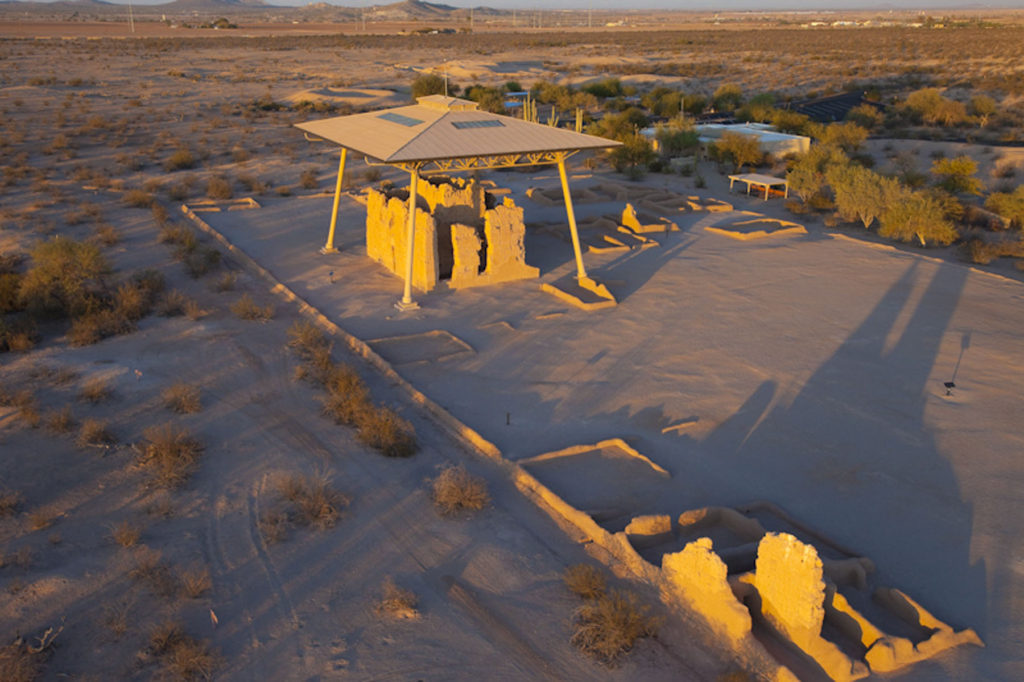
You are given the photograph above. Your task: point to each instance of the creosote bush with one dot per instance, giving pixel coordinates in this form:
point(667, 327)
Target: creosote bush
point(456, 490)
point(584, 581)
point(94, 433)
point(170, 454)
point(95, 390)
point(182, 398)
point(126, 534)
point(245, 308)
point(607, 627)
point(181, 655)
point(314, 502)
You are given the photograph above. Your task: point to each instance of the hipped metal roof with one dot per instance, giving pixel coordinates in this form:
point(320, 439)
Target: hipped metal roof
point(439, 127)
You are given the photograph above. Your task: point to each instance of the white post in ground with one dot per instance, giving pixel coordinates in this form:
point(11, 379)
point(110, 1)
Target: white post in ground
point(407, 303)
point(329, 246)
point(581, 272)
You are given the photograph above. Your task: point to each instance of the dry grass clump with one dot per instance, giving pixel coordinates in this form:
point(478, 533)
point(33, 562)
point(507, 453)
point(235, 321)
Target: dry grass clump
point(308, 179)
point(115, 617)
point(395, 601)
point(172, 304)
point(126, 534)
point(347, 398)
point(170, 454)
point(179, 160)
point(203, 260)
point(607, 627)
point(195, 581)
point(584, 581)
point(219, 187)
point(273, 526)
point(106, 234)
point(95, 391)
point(226, 282)
point(314, 502)
point(182, 398)
point(182, 656)
point(455, 490)
point(383, 430)
point(137, 198)
point(18, 663)
point(94, 433)
point(61, 421)
point(28, 408)
point(152, 571)
point(10, 501)
point(245, 308)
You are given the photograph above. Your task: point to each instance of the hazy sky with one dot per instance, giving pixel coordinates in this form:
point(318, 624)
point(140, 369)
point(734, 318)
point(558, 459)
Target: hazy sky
point(721, 5)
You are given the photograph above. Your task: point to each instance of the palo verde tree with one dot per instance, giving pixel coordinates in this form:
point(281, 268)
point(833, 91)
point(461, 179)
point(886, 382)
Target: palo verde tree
point(917, 216)
point(956, 175)
point(65, 277)
point(1009, 205)
point(739, 150)
point(806, 175)
point(860, 193)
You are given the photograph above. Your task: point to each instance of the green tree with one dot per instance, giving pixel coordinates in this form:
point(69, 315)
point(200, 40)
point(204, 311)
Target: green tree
point(956, 175)
point(929, 106)
point(728, 97)
point(634, 156)
point(677, 137)
point(694, 105)
point(866, 116)
point(739, 150)
point(1009, 205)
point(431, 84)
point(806, 175)
point(915, 215)
point(488, 99)
point(860, 193)
point(982, 108)
point(620, 126)
point(786, 121)
point(65, 277)
point(662, 101)
point(847, 136)
point(758, 108)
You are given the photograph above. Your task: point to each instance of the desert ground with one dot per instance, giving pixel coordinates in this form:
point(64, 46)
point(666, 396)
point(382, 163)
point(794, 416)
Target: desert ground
point(803, 370)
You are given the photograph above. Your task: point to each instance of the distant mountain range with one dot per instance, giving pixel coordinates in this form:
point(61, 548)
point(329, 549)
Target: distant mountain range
point(407, 10)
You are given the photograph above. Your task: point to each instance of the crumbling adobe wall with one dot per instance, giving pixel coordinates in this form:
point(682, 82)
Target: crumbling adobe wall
point(453, 200)
point(504, 232)
point(387, 221)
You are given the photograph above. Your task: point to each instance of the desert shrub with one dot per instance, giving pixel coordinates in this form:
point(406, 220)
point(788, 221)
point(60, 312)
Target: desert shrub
point(219, 188)
point(170, 454)
point(866, 116)
point(94, 433)
point(607, 627)
point(10, 502)
point(126, 534)
point(634, 156)
point(181, 655)
point(273, 526)
point(152, 571)
point(194, 311)
point(61, 421)
point(308, 179)
point(861, 194)
point(846, 136)
point(226, 282)
point(956, 175)
point(395, 601)
point(41, 519)
point(246, 309)
point(982, 107)
point(18, 663)
point(315, 502)
point(728, 97)
point(1009, 205)
point(65, 276)
point(195, 581)
point(787, 121)
point(179, 160)
point(430, 84)
point(94, 327)
point(95, 391)
point(736, 149)
point(182, 398)
point(305, 338)
point(283, 191)
point(383, 430)
point(584, 581)
point(455, 490)
point(929, 106)
point(10, 284)
point(806, 175)
point(202, 260)
point(172, 303)
point(106, 234)
point(348, 398)
point(183, 238)
point(916, 215)
point(137, 198)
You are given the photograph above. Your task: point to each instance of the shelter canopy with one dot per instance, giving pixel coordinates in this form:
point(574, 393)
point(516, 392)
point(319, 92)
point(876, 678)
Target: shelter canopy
point(439, 128)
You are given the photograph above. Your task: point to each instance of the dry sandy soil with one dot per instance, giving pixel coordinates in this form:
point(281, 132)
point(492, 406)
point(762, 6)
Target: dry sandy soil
point(812, 366)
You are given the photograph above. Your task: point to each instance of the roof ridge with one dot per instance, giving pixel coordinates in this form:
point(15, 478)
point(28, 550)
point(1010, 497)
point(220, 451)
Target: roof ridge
point(419, 134)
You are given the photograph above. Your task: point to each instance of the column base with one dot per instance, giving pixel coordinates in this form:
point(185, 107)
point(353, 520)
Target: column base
point(405, 307)
point(325, 250)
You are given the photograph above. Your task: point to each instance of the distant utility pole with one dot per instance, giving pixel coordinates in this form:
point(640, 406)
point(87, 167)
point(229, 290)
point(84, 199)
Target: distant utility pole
point(470, 18)
point(131, 16)
point(590, 18)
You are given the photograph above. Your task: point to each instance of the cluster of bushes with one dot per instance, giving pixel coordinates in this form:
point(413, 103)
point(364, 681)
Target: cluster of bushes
point(70, 280)
point(347, 398)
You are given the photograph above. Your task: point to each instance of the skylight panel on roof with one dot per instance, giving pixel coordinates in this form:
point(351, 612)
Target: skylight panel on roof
point(408, 121)
point(486, 123)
